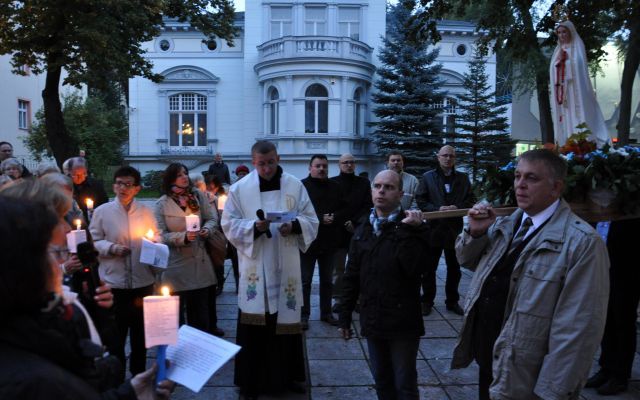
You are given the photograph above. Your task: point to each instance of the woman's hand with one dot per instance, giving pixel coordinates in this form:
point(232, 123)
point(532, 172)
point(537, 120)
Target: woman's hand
point(204, 233)
point(190, 236)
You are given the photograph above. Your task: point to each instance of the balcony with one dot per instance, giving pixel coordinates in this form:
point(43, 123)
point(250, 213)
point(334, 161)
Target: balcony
point(341, 50)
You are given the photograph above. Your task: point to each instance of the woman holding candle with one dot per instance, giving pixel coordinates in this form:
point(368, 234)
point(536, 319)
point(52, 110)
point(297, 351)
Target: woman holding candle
point(190, 273)
point(216, 195)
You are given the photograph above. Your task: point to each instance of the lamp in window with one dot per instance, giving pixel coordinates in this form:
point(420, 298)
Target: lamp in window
point(188, 129)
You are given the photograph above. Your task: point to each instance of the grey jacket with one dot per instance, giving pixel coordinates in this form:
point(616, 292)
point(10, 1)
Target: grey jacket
point(189, 265)
point(556, 306)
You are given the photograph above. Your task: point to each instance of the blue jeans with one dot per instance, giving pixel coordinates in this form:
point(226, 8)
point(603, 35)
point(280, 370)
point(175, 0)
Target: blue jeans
point(393, 364)
point(325, 264)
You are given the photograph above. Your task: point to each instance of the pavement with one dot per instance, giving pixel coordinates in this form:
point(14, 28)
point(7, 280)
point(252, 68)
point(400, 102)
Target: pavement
point(339, 369)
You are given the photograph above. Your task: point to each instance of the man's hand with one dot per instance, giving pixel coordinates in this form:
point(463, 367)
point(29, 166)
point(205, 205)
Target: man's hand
point(412, 217)
point(346, 333)
point(349, 226)
point(104, 297)
point(327, 219)
point(481, 217)
point(285, 229)
point(447, 208)
point(72, 265)
point(204, 233)
point(119, 250)
point(262, 225)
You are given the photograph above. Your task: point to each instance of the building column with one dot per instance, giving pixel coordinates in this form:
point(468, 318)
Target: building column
point(212, 135)
point(343, 106)
point(290, 112)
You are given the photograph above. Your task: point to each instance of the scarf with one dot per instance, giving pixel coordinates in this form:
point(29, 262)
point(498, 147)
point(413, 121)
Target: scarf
point(185, 197)
point(377, 222)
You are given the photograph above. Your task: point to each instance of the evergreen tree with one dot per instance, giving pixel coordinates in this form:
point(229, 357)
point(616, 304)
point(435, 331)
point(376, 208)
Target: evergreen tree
point(408, 93)
point(481, 138)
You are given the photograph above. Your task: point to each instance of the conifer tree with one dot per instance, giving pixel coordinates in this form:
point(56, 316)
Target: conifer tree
point(407, 97)
point(481, 137)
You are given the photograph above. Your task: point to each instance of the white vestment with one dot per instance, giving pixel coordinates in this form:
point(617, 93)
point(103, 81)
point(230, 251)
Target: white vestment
point(573, 101)
point(270, 277)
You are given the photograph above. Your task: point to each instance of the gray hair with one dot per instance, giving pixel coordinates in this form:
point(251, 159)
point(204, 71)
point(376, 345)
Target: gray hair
point(11, 162)
point(45, 168)
point(56, 178)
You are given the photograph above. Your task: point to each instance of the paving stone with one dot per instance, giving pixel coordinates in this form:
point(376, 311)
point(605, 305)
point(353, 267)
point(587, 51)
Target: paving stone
point(437, 348)
point(223, 376)
point(343, 393)
point(426, 376)
point(340, 373)
point(229, 326)
point(466, 392)
point(227, 311)
point(440, 329)
point(319, 329)
point(465, 376)
point(432, 393)
point(457, 324)
point(334, 349)
point(207, 393)
point(631, 394)
point(449, 315)
point(227, 297)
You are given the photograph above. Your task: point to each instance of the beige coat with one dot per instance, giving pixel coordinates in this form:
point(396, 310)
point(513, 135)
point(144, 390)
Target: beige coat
point(556, 307)
point(189, 265)
point(112, 224)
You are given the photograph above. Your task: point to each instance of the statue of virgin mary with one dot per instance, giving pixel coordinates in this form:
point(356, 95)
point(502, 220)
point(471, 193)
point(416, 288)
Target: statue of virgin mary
point(573, 100)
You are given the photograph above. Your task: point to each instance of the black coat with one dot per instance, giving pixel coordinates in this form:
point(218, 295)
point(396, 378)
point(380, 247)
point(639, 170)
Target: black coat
point(89, 189)
point(326, 198)
point(384, 272)
point(357, 194)
point(221, 170)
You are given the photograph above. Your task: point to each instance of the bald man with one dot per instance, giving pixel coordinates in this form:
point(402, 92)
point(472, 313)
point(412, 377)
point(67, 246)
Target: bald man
point(444, 188)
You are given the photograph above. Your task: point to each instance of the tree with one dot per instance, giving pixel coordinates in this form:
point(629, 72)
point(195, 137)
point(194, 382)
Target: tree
point(482, 139)
point(98, 129)
point(407, 93)
point(95, 42)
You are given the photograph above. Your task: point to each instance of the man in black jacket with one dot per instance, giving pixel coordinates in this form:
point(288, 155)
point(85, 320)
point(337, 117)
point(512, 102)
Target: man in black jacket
point(357, 195)
point(85, 187)
point(220, 169)
point(443, 189)
point(384, 270)
point(330, 207)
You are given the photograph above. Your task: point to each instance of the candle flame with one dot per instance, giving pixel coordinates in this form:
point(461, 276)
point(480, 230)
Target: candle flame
point(77, 223)
point(89, 203)
point(165, 291)
point(149, 234)
point(221, 201)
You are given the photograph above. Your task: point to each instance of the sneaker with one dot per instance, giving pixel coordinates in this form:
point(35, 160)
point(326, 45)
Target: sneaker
point(426, 309)
point(598, 379)
point(330, 319)
point(455, 308)
point(613, 386)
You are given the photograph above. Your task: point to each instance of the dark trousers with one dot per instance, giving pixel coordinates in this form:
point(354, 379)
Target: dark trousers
point(127, 305)
point(195, 307)
point(307, 265)
point(213, 309)
point(429, 277)
point(484, 382)
point(393, 364)
point(619, 340)
point(233, 254)
point(339, 263)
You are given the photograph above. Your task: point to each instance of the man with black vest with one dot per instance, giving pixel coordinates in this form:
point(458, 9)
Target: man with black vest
point(536, 306)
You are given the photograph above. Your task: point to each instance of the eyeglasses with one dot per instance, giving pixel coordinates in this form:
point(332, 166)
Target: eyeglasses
point(126, 185)
point(347, 162)
point(59, 253)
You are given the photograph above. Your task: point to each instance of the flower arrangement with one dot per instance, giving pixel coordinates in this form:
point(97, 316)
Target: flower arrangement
point(604, 178)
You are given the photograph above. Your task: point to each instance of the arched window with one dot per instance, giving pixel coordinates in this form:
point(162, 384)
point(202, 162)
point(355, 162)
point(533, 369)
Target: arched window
point(274, 111)
point(357, 112)
point(316, 109)
point(187, 120)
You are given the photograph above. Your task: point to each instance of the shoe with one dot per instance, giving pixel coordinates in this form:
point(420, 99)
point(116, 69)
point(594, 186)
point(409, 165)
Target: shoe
point(297, 387)
point(598, 379)
point(304, 323)
point(455, 308)
point(426, 309)
point(613, 386)
point(330, 319)
point(217, 332)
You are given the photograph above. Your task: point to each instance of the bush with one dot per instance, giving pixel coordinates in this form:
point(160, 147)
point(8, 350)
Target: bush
point(152, 180)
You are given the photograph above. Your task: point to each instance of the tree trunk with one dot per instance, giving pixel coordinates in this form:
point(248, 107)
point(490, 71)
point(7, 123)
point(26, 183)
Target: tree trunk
point(631, 63)
point(544, 107)
point(62, 145)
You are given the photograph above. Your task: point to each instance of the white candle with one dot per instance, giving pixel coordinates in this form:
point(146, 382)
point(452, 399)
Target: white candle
point(193, 222)
point(222, 199)
point(74, 238)
point(89, 203)
point(77, 223)
point(150, 235)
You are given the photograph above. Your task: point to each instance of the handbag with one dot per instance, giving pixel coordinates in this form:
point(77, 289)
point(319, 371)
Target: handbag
point(216, 246)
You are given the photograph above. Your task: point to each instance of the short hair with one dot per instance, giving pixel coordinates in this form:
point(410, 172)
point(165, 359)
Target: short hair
point(52, 196)
point(56, 178)
point(76, 162)
point(170, 175)
point(198, 181)
point(3, 143)
point(556, 164)
point(45, 168)
point(128, 171)
point(394, 153)
point(26, 274)
point(320, 156)
point(388, 170)
point(263, 147)
point(11, 162)
point(212, 180)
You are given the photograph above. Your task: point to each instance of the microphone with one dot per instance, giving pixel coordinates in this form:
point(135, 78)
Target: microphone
point(260, 215)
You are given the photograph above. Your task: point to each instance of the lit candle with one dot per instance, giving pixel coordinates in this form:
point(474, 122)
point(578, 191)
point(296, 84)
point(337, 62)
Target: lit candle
point(160, 314)
point(161, 357)
point(75, 237)
point(150, 236)
point(192, 222)
point(222, 199)
point(77, 223)
point(89, 203)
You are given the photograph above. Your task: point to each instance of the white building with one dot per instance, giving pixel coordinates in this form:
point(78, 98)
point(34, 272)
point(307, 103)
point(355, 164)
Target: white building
point(300, 75)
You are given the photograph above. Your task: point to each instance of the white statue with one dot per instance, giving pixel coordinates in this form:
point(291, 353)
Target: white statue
point(573, 100)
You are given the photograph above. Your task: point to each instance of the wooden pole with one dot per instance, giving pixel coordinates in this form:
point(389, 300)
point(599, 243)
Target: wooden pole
point(500, 212)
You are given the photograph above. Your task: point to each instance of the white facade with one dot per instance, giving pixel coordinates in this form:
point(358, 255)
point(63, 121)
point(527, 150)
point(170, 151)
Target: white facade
point(300, 75)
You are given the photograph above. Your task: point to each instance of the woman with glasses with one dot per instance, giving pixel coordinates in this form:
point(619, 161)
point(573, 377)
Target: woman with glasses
point(190, 273)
